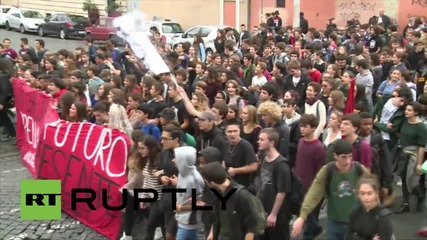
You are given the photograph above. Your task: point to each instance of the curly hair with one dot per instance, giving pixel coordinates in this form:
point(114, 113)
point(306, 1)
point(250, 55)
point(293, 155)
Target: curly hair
point(271, 109)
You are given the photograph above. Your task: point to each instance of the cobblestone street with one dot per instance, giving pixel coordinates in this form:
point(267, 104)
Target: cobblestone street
point(11, 226)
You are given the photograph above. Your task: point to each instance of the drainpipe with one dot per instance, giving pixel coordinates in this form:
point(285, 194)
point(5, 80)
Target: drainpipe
point(297, 10)
point(221, 12)
point(248, 24)
point(237, 14)
point(262, 9)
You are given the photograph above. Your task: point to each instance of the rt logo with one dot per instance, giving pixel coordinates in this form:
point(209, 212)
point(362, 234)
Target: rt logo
point(41, 199)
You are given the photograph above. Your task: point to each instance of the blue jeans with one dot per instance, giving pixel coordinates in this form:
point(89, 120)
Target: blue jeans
point(336, 230)
point(187, 234)
point(311, 227)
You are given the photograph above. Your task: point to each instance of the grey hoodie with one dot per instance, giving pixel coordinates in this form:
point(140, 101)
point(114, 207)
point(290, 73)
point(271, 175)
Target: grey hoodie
point(366, 79)
point(291, 121)
point(188, 178)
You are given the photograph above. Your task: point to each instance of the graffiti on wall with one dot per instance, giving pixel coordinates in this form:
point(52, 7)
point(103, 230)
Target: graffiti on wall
point(347, 9)
point(410, 15)
point(420, 3)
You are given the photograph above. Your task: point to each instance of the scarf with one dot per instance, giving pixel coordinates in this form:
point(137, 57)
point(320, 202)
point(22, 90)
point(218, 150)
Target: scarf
point(311, 101)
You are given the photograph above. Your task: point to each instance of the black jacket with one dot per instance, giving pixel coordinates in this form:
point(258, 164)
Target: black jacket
point(382, 154)
point(242, 217)
point(364, 225)
point(295, 136)
point(6, 91)
point(303, 23)
point(284, 138)
point(215, 138)
point(300, 88)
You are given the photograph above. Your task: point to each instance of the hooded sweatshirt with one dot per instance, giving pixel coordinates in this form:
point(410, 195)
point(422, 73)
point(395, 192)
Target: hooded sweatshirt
point(189, 178)
point(366, 79)
point(291, 121)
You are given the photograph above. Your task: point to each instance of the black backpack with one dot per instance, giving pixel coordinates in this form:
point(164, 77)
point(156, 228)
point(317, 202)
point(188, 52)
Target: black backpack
point(297, 195)
point(376, 167)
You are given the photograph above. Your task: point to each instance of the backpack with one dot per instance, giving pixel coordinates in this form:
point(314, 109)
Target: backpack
point(376, 167)
point(297, 195)
point(383, 213)
point(259, 209)
point(330, 170)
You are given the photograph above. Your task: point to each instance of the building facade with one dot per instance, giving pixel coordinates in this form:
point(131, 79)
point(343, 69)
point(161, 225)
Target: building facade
point(208, 12)
point(317, 12)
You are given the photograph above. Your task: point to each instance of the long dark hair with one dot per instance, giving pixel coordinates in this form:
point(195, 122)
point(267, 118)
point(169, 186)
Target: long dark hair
point(154, 149)
point(81, 111)
point(198, 40)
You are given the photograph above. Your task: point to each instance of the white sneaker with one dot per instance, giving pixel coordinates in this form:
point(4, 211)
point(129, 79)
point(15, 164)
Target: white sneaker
point(125, 237)
point(399, 183)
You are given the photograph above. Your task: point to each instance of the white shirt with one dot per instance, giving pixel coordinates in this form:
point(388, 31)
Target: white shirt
point(259, 81)
point(388, 111)
point(296, 80)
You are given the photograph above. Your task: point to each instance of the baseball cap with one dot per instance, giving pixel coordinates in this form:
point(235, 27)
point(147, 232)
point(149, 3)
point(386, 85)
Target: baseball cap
point(207, 115)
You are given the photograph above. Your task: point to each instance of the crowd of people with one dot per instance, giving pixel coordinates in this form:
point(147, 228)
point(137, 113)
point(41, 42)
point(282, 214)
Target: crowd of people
point(293, 118)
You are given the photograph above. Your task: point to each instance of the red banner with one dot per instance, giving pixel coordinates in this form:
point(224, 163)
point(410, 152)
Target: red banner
point(33, 111)
point(81, 155)
point(84, 155)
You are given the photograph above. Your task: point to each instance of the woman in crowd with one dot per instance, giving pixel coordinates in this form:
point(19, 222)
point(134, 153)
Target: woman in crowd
point(314, 106)
point(250, 125)
point(78, 112)
point(370, 220)
point(327, 87)
point(413, 139)
point(135, 179)
point(336, 102)
point(118, 118)
point(65, 102)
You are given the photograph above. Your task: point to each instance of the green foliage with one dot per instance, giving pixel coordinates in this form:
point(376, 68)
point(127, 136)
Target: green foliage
point(113, 7)
point(88, 5)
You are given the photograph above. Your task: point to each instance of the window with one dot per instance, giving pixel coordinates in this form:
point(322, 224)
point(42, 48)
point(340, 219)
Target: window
point(171, 28)
point(102, 22)
point(53, 18)
point(193, 32)
point(62, 18)
point(77, 18)
point(280, 3)
point(31, 14)
point(205, 32)
point(5, 10)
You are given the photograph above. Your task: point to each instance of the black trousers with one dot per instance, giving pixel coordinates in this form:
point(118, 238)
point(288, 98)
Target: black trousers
point(281, 230)
point(128, 216)
point(159, 218)
point(7, 123)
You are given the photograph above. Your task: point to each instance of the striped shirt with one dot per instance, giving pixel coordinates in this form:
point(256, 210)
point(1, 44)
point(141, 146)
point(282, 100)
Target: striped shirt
point(151, 182)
